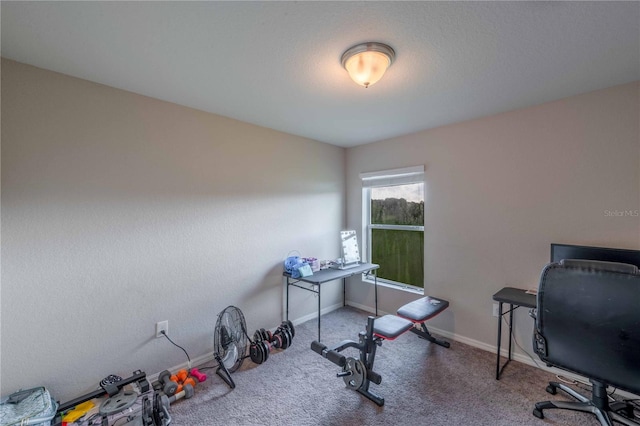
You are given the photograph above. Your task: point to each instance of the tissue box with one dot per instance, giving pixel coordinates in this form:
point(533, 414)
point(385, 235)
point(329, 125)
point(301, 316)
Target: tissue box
point(314, 263)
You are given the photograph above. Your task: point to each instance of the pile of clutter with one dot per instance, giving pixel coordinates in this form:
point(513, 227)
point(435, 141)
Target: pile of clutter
point(131, 401)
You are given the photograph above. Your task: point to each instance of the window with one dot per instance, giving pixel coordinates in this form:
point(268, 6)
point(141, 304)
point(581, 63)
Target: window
point(393, 218)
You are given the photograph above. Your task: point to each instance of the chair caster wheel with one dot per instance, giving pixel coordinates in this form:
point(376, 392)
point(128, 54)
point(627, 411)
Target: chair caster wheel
point(538, 413)
point(551, 389)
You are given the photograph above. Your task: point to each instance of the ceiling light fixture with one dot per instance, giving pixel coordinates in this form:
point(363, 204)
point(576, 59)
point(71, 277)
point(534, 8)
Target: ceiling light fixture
point(366, 63)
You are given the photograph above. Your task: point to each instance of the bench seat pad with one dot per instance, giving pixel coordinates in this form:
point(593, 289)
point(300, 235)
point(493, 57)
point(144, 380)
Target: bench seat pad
point(423, 309)
point(390, 326)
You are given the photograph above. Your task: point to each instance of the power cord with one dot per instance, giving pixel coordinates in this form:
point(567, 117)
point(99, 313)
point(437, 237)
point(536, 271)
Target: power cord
point(513, 337)
point(207, 368)
point(164, 333)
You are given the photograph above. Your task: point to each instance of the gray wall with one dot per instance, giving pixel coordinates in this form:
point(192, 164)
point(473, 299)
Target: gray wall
point(119, 211)
point(500, 189)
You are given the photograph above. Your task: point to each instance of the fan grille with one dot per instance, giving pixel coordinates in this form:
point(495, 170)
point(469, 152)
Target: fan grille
point(230, 339)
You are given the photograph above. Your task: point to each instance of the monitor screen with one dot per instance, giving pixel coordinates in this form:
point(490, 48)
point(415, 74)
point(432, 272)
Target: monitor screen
point(566, 251)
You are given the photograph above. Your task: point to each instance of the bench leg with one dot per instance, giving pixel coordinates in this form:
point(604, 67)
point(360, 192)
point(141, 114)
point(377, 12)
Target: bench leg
point(372, 396)
point(424, 334)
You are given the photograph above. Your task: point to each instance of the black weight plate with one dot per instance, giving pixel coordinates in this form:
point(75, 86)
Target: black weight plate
point(286, 338)
point(358, 373)
point(255, 353)
point(289, 325)
point(117, 403)
point(290, 337)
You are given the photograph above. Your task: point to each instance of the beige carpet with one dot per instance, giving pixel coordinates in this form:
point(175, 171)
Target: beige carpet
point(422, 383)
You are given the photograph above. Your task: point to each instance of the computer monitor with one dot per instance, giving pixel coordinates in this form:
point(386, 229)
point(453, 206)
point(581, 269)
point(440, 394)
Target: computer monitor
point(605, 254)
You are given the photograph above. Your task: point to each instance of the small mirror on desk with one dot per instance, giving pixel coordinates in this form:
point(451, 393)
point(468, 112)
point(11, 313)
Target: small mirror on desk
point(349, 249)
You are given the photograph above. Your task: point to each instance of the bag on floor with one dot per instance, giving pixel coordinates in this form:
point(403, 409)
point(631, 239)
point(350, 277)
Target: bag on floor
point(31, 407)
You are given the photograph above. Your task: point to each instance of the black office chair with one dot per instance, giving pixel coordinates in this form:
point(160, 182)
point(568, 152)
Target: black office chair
point(588, 323)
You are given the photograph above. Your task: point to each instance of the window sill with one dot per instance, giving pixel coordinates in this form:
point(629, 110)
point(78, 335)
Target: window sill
point(408, 289)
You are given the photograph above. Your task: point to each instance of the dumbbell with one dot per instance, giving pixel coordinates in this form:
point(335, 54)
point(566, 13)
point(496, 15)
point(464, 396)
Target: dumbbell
point(169, 386)
point(264, 340)
point(181, 375)
point(259, 348)
point(186, 393)
point(277, 340)
point(200, 377)
point(289, 325)
point(264, 334)
point(182, 378)
point(283, 335)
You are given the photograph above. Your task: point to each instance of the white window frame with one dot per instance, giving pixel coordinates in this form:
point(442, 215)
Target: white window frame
point(403, 176)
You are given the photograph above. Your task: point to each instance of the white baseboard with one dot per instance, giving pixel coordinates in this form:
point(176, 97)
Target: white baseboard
point(523, 358)
point(314, 315)
point(366, 308)
point(194, 363)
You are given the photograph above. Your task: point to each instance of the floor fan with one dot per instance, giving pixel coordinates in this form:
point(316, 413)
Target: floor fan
point(230, 343)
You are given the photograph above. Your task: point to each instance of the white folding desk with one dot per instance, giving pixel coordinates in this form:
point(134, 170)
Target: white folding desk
point(325, 275)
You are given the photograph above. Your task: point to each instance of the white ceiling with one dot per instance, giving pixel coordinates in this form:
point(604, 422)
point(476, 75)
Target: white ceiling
point(277, 64)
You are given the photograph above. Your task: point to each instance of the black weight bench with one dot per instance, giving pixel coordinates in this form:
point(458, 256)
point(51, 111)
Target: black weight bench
point(421, 310)
point(358, 373)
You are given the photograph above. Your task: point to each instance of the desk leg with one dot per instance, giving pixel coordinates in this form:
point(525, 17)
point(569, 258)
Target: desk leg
point(344, 292)
point(319, 308)
point(499, 340)
point(287, 313)
point(510, 352)
point(375, 281)
point(510, 331)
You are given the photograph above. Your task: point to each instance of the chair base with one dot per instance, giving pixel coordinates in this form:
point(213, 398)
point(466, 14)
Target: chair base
point(598, 405)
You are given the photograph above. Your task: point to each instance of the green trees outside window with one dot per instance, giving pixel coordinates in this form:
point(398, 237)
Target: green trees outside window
point(397, 233)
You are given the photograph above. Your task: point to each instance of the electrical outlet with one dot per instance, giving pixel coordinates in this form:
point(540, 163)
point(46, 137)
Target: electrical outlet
point(162, 326)
point(495, 310)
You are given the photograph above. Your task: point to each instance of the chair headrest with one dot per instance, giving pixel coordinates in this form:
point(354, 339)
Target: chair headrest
point(600, 266)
